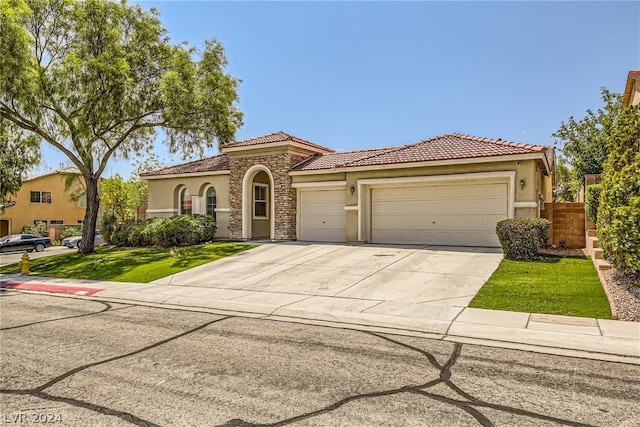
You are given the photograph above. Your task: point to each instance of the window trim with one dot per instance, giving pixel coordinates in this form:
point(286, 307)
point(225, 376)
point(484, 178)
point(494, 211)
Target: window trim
point(215, 202)
point(40, 194)
point(184, 192)
point(265, 201)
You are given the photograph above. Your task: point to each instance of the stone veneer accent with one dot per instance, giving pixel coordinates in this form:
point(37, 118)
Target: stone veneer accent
point(285, 197)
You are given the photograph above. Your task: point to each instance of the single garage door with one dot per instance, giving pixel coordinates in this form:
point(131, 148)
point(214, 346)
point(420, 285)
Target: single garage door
point(322, 216)
point(452, 214)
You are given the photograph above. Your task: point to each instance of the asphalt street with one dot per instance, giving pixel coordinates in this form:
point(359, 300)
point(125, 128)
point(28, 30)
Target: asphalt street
point(79, 362)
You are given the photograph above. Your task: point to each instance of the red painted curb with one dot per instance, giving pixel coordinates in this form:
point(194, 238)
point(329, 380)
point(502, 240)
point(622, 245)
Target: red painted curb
point(55, 289)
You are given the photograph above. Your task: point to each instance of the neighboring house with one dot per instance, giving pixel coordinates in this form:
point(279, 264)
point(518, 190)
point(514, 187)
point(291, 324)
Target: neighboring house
point(632, 89)
point(42, 198)
point(447, 190)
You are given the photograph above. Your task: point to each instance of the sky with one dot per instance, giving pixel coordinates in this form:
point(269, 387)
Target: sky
point(352, 75)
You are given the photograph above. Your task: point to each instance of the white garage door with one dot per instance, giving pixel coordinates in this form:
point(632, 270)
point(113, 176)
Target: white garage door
point(453, 214)
point(322, 216)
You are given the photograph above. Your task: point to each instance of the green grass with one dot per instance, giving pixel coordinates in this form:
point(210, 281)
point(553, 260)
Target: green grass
point(141, 265)
point(567, 286)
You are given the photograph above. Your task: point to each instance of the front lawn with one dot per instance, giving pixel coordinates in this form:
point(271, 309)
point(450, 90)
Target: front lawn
point(141, 265)
point(567, 286)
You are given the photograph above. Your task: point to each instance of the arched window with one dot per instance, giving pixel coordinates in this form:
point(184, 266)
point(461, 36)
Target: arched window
point(211, 202)
point(185, 202)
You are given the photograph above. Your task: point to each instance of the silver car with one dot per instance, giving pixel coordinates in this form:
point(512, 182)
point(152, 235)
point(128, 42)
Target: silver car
point(74, 242)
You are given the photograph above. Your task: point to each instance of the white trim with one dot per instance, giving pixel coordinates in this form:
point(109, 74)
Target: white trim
point(222, 209)
point(494, 159)
point(162, 210)
point(285, 143)
point(247, 200)
point(186, 175)
point(525, 204)
point(266, 200)
point(367, 184)
point(305, 185)
point(351, 208)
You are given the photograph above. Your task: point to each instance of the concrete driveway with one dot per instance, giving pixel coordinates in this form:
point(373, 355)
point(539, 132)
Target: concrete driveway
point(327, 281)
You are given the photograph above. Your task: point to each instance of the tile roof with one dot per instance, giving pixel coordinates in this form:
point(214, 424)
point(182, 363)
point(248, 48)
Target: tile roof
point(65, 169)
point(275, 137)
point(445, 147)
point(210, 164)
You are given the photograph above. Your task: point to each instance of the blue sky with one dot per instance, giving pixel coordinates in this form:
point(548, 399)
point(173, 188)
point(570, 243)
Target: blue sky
point(352, 75)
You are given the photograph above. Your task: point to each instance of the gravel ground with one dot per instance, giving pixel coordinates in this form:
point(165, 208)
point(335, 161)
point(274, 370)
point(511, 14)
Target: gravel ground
point(625, 295)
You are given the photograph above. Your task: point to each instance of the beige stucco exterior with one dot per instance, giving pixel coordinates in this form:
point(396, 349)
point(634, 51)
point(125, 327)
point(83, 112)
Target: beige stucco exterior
point(61, 208)
point(164, 197)
point(528, 179)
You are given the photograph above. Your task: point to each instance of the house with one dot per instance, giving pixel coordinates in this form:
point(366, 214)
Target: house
point(446, 190)
point(632, 89)
point(42, 198)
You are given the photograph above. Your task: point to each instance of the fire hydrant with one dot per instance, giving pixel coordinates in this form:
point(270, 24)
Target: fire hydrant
point(24, 264)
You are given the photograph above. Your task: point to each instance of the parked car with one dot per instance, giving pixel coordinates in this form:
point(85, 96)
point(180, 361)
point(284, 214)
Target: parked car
point(24, 242)
point(74, 242)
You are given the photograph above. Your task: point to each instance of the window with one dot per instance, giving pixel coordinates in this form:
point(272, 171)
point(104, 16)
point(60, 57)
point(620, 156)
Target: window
point(260, 200)
point(185, 201)
point(80, 221)
point(40, 196)
point(57, 221)
point(83, 200)
point(211, 202)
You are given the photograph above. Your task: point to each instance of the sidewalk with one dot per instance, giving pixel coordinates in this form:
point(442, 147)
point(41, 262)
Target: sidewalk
point(599, 339)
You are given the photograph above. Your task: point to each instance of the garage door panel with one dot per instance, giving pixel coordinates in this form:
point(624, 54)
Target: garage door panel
point(462, 214)
point(322, 216)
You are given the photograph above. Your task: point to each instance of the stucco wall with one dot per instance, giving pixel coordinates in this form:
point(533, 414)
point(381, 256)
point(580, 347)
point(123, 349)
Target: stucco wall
point(60, 208)
point(163, 197)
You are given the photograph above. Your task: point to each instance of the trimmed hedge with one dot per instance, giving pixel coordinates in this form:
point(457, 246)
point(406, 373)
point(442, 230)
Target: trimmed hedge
point(592, 201)
point(521, 238)
point(70, 231)
point(180, 230)
point(39, 229)
point(619, 216)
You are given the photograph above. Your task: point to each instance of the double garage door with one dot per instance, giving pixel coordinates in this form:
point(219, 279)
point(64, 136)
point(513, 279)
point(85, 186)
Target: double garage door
point(459, 214)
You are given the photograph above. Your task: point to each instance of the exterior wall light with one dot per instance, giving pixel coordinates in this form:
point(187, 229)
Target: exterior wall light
point(353, 190)
point(522, 184)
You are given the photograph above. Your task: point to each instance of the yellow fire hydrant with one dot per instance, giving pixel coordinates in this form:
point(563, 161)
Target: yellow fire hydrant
point(24, 264)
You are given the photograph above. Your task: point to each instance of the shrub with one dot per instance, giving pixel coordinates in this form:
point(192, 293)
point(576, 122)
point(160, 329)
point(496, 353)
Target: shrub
point(40, 229)
point(619, 214)
point(70, 231)
point(522, 237)
point(106, 224)
point(592, 201)
point(181, 230)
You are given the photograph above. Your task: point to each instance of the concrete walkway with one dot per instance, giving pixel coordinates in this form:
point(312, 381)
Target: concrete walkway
point(571, 336)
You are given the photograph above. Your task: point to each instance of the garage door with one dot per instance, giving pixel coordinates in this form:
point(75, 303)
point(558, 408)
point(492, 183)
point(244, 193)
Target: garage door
point(454, 214)
point(322, 216)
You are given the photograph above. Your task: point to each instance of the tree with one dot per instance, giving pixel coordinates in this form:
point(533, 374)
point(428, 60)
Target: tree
point(18, 154)
point(120, 197)
point(619, 210)
point(567, 187)
point(586, 140)
point(96, 78)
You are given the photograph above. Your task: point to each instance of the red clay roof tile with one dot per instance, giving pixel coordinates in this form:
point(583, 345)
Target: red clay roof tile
point(211, 164)
point(276, 137)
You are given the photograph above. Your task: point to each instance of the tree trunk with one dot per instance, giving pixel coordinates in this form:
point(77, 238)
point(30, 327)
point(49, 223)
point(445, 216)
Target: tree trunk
point(90, 216)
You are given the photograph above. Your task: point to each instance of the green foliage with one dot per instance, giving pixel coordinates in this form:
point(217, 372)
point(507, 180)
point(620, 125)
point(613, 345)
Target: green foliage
point(18, 154)
point(619, 214)
point(96, 78)
point(128, 265)
point(592, 200)
point(567, 184)
point(120, 198)
point(566, 286)
point(70, 231)
point(521, 238)
point(585, 142)
point(39, 229)
point(180, 230)
point(106, 224)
